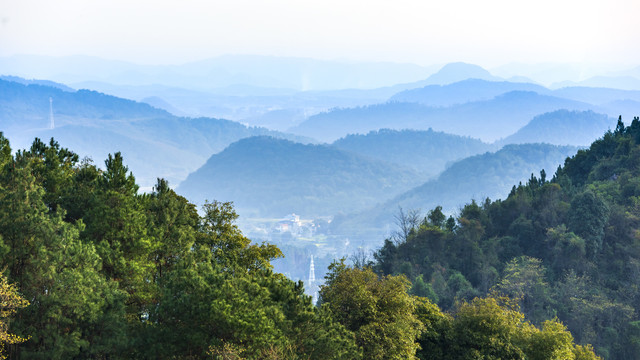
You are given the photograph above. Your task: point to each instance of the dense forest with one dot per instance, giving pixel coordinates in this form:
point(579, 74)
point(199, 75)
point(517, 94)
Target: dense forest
point(565, 248)
point(94, 269)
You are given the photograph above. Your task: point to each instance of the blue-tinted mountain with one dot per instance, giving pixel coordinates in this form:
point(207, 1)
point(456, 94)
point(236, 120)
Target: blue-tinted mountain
point(563, 127)
point(36, 82)
point(154, 142)
point(265, 176)
point(28, 106)
point(427, 152)
point(488, 120)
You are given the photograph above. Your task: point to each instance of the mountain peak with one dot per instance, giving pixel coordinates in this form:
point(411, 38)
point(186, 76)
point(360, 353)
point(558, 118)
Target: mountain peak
point(458, 71)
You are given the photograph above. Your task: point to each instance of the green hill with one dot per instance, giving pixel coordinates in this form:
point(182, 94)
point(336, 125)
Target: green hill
point(273, 177)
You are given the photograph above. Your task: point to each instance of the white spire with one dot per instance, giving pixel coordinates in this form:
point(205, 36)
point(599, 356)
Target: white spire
point(311, 285)
point(312, 272)
point(52, 125)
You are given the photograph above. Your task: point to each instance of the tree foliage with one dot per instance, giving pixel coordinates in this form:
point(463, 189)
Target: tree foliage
point(10, 303)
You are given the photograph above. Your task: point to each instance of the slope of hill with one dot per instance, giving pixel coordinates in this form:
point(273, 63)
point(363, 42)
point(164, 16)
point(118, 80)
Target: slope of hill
point(489, 175)
point(427, 152)
point(488, 120)
point(265, 176)
point(562, 127)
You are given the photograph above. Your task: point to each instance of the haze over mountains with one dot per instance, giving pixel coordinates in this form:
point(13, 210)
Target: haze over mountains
point(389, 128)
point(317, 156)
point(153, 141)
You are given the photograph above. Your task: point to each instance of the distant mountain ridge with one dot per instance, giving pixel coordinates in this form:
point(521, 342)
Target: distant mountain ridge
point(488, 120)
point(220, 72)
point(464, 91)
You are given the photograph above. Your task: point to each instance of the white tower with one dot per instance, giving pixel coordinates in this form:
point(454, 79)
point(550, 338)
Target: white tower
point(52, 125)
point(313, 288)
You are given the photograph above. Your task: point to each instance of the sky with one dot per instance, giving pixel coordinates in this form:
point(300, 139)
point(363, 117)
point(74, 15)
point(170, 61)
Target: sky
point(488, 33)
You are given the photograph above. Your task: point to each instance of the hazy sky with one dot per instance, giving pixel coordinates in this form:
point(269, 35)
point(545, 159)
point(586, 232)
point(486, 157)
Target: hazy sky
point(488, 33)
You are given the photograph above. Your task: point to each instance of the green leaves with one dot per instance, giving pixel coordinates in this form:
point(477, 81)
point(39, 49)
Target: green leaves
point(378, 310)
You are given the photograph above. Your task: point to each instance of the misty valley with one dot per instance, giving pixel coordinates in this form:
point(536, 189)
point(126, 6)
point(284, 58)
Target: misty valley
point(284, 208)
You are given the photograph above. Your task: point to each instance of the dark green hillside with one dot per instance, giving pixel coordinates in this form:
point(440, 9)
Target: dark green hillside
point(487, 175)
point(427, 152)
point(565, 246)
point(562, 127)
point(487, 120)
point(268, 176)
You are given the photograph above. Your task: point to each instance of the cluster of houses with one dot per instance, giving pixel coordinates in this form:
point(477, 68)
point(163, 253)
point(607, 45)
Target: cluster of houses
point(292, 224)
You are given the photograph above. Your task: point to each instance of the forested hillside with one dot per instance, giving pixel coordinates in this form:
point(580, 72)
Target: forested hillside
point(563, 246)
point(91, 269)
